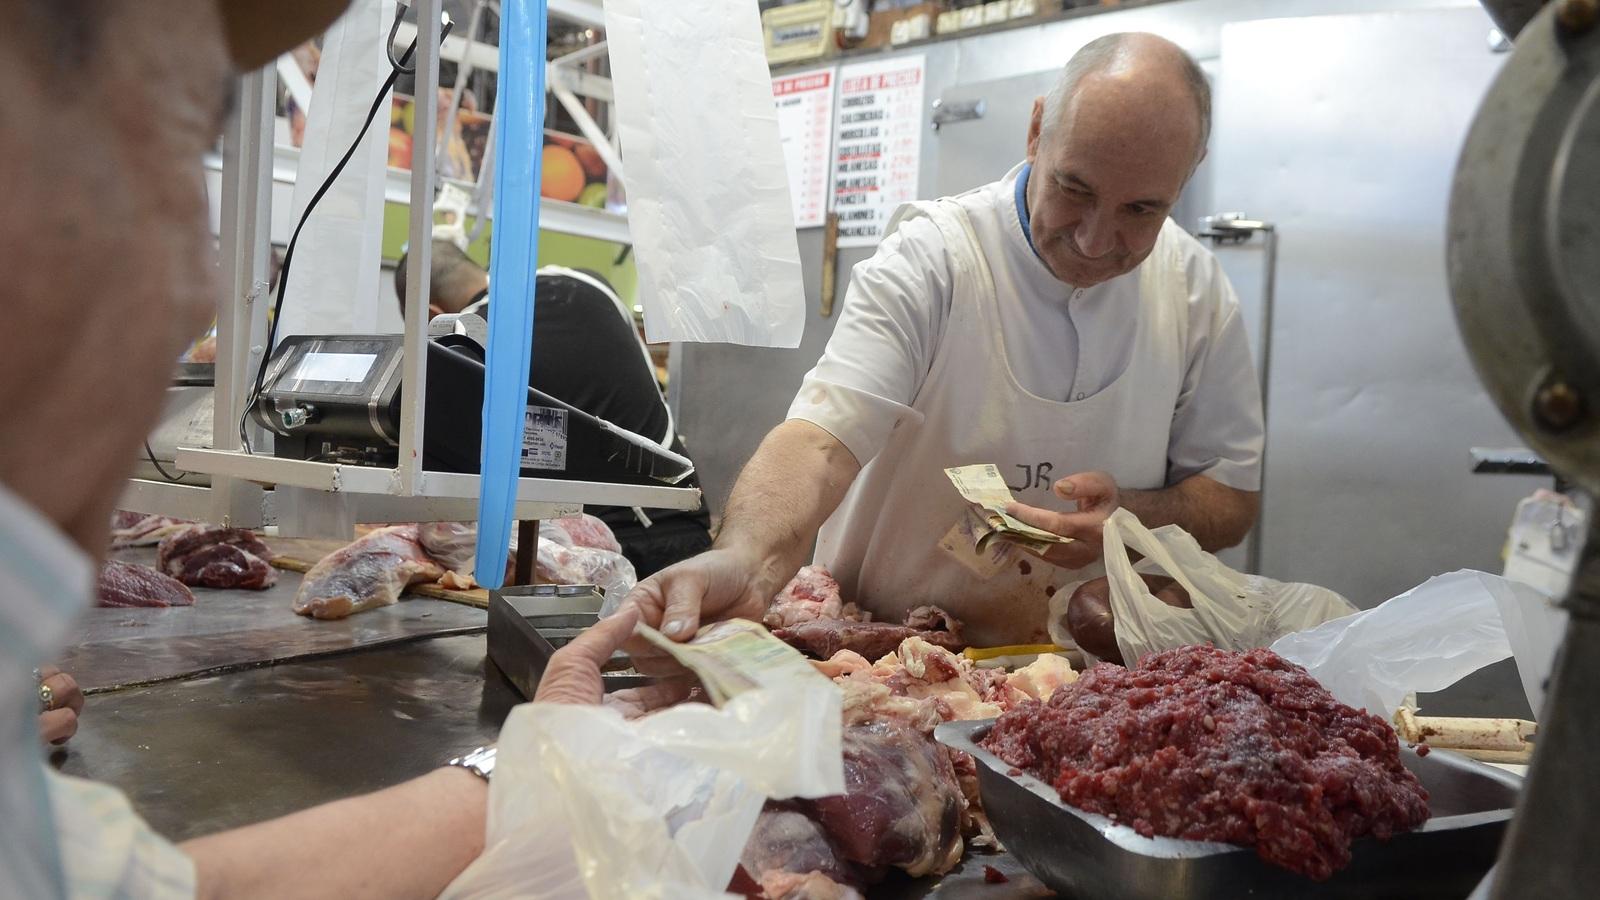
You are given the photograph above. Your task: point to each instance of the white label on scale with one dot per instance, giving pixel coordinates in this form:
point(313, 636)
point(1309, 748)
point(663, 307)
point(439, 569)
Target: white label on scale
point(544, 438)
point(877, 145)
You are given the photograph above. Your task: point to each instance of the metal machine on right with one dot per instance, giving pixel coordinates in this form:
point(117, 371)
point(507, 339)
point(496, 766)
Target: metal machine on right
point(1524, 263)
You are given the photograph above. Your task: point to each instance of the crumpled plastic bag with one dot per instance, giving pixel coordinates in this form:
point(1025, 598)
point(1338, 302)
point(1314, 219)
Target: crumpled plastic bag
point(576, 549)
point(453, 545)
point(582, 550)
point(1426, 639)
point(1232, 610)
point(586, 804)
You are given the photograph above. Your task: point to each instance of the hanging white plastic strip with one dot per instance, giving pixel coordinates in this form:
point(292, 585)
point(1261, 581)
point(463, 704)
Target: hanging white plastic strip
point(708, 190)
point(336, 263)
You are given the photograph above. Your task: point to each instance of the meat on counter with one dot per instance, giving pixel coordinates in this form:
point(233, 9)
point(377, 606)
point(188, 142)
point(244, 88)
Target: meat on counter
point(217, 557)
point(370, 572)
point(909, 802)
point(124, 584)
point(1218, 745)
point(130, 529)
point(810, 615)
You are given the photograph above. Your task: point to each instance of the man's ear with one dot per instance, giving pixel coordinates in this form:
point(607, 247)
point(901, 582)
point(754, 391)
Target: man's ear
point(1035, 127)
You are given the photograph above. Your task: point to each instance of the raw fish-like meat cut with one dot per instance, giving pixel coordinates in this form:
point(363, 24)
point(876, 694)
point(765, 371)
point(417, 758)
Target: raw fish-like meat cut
point(368, 573)
point(216, 557)
point(126, 585)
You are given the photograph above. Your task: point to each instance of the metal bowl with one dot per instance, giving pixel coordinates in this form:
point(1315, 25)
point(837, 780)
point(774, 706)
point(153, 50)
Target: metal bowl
point(1085, 855)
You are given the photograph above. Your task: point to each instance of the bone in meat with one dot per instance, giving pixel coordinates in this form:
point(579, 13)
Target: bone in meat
point(368, 573)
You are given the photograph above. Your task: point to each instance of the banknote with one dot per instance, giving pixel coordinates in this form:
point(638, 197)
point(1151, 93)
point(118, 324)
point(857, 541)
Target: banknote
point(983, 487)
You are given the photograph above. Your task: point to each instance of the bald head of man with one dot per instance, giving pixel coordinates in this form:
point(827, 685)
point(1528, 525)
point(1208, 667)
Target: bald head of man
point(1112, 146)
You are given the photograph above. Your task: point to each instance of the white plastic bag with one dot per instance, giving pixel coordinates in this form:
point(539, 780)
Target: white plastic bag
point(582, 550)
point(1232, 610)
point(708, 195)
point(1423, 640)
point(572, 550)
point(585, 804)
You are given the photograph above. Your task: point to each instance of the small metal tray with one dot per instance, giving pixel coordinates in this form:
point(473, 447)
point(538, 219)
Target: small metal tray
point(527, 623)
point(1084, 855)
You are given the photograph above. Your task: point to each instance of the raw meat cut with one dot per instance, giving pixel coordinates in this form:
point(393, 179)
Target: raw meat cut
point(125, 584)
point(811, 595)
point(1219, 745)
point(789, 857)
point(146, 531)
point(365, 574)
point(822, 638)
point(581, 530)
point(123, 518)
point(901, 806)
point(909, 802)
point(217, 557)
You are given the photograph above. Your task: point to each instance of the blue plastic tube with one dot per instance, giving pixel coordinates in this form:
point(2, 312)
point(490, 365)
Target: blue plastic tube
point(513, 260)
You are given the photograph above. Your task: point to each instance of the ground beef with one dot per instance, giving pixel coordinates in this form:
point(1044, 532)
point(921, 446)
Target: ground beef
point(1215, 745)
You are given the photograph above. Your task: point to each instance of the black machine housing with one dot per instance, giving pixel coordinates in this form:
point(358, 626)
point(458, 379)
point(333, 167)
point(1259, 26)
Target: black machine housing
point(337, 398)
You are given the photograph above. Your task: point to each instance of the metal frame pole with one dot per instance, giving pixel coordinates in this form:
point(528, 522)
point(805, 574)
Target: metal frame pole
point(241, 313)
point(419, 259)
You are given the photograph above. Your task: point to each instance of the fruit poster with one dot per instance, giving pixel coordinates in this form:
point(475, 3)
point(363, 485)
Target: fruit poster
point(461, 157)
point(572, 171)
point(878, 145)
point(804, 101)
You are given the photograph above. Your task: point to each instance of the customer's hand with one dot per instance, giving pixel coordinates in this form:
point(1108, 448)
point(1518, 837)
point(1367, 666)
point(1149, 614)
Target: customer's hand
point(58, 721)
point(716, 585)
point(573, 673)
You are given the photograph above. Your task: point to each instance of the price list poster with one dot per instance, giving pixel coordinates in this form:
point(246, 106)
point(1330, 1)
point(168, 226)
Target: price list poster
point(877, 145)
point(804, 101)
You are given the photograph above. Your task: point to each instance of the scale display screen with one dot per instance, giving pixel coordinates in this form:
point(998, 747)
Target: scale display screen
point(341, 368)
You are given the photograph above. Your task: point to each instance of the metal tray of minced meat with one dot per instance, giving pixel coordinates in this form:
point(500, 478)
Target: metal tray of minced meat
point(1084, 855)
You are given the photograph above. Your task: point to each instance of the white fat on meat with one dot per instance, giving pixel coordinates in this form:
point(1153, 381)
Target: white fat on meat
point(811, 595)
point(1043, 677)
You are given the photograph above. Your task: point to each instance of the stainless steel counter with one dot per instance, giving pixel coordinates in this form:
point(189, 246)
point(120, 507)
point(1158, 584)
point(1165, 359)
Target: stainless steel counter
point(287, 712)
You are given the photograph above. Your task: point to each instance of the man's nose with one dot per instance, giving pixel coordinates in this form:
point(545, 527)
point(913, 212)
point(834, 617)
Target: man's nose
point(1096, 234)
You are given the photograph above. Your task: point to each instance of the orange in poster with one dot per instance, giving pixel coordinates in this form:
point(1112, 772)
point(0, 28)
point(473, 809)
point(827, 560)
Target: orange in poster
point(562, 178)
point(589, 158)
point(399, 149)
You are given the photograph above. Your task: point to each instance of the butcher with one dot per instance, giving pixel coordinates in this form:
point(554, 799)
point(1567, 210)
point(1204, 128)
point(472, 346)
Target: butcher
point(1056, 323)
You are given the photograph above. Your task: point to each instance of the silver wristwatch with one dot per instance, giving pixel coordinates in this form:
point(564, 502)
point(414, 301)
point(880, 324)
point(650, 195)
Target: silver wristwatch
point(479, 762)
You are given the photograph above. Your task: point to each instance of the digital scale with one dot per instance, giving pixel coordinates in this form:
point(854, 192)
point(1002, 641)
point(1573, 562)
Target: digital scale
point(336, 398)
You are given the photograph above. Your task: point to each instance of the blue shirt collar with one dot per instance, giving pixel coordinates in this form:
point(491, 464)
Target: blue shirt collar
point(1022, 206)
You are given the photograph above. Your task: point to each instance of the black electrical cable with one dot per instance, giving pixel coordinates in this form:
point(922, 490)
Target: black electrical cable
point(288, 253)
point(388, 47)
point(175, 479)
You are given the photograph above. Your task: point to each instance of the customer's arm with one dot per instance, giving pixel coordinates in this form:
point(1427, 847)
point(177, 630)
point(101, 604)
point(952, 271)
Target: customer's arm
point(408, 841)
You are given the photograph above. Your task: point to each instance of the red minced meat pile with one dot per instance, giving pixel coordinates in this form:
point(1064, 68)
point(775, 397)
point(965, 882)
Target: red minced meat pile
point(1215, 745)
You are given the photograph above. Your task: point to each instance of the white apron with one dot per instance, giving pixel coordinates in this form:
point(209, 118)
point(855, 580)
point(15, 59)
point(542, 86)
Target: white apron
point(884, 542)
